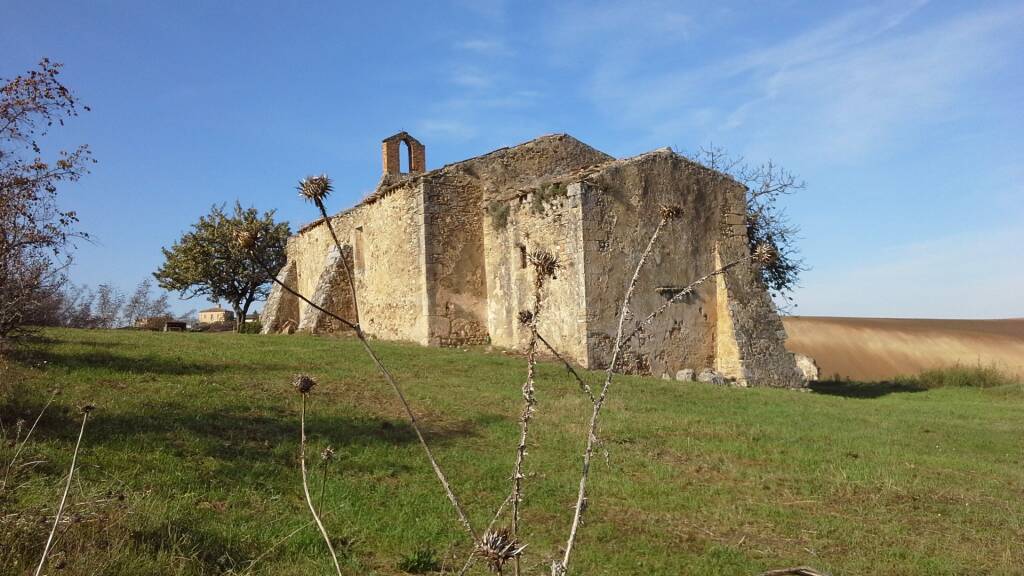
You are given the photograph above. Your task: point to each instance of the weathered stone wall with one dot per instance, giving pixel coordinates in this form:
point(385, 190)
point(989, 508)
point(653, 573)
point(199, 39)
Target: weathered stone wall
point(760, 335)
point(386, 240)
point(281, 311)
point(549, 218)
point(457, 202)
point(621, 208)
point(442, 258)
point(332, 293)
point(457, 300)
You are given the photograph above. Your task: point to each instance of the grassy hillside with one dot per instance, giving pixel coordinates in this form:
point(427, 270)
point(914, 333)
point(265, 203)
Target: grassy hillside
point(189, 465)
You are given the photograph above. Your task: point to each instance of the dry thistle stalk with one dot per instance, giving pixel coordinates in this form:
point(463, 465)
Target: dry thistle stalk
point(545, 265)
point(670, 212)
point(304, 385)
point(497, 547)
point(525, 317)
point(559, 568)
point(765, 254)
point(19, 425)
point(326, 457)
point(85, 409)
point(316, 188)
point(246, 238)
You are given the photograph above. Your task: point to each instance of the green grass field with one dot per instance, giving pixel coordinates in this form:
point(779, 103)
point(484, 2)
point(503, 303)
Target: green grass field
point(189, 465)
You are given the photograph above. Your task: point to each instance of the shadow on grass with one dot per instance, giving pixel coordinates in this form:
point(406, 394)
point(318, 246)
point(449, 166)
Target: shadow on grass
point(849, 389)
point(102, 359)
point(242, 443)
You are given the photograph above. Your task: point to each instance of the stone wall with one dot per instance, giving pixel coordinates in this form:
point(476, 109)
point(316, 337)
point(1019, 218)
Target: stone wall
point(621, 208)
point(386, 239)
point(281, 310)
point(457, 236)
point(442, 258)
point(333, 293)
point(457, 300)
point(547, 217)
point(760, 335)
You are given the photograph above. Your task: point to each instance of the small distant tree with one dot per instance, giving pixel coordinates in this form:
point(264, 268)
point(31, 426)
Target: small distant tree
point(35, 235)
point(109, 301)
point(208, 261)
point(142, 304)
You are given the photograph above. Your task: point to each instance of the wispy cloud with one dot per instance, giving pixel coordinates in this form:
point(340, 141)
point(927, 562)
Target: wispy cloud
point(485, 92)
point(839, 88)
point(485, 47)
point(471, 77)
point(446, 129)
point(610, 31)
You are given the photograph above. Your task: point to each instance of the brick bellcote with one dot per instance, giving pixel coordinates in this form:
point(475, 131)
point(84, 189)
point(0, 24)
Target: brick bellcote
point(391, 153)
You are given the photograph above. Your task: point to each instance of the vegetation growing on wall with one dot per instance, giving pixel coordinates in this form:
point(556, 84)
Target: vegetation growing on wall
point(767, 223)
point(546, 194)
point(498, 211)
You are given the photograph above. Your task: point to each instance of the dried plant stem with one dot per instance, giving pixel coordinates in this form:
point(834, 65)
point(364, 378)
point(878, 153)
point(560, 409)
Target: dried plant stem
point(341, 253)
point(463, 518)
point(529, 406)
point(323, 486)
point(588, 453)
point(584, 387)
point(559, 569)
point(21, 446)
point(64, 497)
point(490, 525)
point(415, 426)
point(796, 571)
point(689, 289)
point(274, 546)
point(305, 485)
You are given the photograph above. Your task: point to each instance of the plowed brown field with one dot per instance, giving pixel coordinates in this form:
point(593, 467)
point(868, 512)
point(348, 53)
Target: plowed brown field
point(880, 348)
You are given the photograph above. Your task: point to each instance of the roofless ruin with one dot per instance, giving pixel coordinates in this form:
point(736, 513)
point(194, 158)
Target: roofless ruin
point(440, 258)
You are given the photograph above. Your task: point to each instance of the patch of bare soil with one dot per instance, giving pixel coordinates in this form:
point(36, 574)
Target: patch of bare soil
point(881, 348)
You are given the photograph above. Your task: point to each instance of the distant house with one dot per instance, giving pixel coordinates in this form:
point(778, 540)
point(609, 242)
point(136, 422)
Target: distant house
point(214, 315)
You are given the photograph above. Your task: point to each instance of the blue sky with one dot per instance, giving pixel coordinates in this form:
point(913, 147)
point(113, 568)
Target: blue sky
point(904, 118)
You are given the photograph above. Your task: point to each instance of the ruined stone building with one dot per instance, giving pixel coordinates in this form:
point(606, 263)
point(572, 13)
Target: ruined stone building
point(440, 257)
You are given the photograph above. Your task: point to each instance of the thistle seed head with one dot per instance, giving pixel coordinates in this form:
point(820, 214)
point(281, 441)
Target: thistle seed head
point(246, 238)
point(315, 188)
point(765, 254)
point(671, 212)
point(497, 547)
point(545, 263)
point(327, 455)
point(303, 383)
point(87, 407)
point(525, 317)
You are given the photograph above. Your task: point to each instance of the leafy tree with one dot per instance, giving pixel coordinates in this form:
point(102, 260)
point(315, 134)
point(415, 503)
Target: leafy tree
point(208, 261)
point(35, 235)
